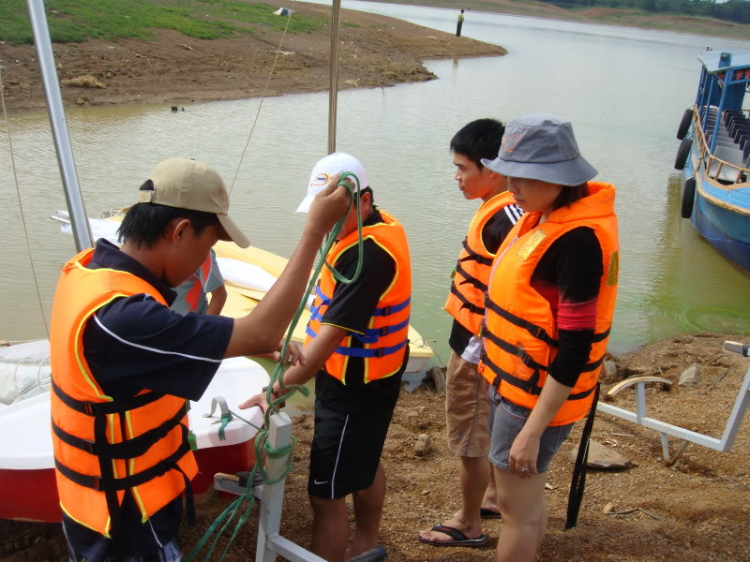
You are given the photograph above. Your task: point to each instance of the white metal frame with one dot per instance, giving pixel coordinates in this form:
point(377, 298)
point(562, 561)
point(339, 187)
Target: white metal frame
point(667, 429)
point(270, 542)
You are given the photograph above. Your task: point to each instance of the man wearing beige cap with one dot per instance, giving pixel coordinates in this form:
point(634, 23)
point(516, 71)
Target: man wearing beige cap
point(124, 363)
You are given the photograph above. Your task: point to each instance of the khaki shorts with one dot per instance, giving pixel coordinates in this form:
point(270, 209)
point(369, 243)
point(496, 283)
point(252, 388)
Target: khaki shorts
point(466, 409)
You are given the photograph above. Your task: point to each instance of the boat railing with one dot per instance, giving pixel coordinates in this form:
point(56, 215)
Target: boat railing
point(721, 166)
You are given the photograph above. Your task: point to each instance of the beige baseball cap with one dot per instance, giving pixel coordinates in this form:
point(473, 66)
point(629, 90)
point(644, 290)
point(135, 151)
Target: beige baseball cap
point(187, 183)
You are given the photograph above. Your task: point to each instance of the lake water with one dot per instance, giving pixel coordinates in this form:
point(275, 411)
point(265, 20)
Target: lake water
point(624, 90)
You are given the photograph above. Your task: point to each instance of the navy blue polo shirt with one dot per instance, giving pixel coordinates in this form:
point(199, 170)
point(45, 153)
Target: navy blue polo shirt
point(135, 343)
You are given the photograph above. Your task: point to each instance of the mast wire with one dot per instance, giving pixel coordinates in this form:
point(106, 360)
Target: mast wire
point(260, 106)
point(20, 204)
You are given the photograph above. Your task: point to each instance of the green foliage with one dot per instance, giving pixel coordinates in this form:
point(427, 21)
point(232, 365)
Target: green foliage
point(737, 11)
point(80, 20)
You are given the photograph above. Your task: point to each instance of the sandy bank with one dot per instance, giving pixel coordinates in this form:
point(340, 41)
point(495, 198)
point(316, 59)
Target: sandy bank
point(375, 51)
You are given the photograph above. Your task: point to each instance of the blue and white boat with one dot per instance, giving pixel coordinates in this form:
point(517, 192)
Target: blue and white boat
point(715, 156)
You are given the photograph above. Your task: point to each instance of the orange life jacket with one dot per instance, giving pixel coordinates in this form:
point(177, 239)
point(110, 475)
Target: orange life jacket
point(520, 330)
point(199, 279)
point(466, 300)
point(386, 338)
point(104, 446)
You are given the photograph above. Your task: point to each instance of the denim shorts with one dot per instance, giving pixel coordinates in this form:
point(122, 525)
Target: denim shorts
point(507, 420)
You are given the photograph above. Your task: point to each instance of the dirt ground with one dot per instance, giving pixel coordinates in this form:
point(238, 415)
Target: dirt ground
point(374, 51)
point(693, 511)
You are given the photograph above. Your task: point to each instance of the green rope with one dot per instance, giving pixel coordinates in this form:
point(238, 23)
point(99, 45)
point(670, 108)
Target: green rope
point(263, 449)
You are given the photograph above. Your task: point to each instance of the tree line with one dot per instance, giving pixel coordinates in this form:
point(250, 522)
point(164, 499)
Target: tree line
point(734, 10)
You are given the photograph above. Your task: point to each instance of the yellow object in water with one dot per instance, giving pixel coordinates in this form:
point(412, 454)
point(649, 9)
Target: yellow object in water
point(241, 299)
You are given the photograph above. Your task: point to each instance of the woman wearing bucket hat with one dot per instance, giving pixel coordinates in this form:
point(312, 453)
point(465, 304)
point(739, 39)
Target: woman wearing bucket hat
point(551, 299)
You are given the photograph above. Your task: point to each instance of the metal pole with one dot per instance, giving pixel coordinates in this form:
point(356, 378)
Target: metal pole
point(78, 217)
point(334, 86)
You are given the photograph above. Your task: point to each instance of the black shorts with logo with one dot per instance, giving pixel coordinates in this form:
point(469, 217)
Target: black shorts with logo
point(346, 449)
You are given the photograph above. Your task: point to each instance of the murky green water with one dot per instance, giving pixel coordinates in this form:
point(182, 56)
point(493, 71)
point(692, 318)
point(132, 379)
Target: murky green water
point(623, 89)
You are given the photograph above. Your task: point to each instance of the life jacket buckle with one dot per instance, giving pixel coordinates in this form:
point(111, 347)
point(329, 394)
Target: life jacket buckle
point(97, 483)
point(89, 447)
point(525, 358)
point(88, 408)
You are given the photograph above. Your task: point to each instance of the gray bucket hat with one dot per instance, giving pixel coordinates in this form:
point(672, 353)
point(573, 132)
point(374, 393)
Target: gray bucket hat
point(541, 146)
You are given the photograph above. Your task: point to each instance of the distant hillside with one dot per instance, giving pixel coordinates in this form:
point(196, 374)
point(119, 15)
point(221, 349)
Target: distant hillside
point(613, 12)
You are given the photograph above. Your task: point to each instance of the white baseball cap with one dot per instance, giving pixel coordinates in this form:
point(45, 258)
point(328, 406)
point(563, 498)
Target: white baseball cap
point(325, 169)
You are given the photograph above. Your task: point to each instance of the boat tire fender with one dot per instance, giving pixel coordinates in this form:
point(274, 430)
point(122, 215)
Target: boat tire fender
point(684, 127)
point(688, 198)
point(682, 153)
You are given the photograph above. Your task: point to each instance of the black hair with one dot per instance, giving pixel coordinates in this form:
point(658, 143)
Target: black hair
point(367, 189)
point(479, 139)
point(570, 194)
point(145, 223)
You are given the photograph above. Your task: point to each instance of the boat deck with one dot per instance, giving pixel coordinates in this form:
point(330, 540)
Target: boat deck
point(726, 168)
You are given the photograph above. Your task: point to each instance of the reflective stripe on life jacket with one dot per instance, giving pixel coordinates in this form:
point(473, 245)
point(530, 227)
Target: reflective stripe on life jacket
point(469, 284)
point(383, 345)
point(104, 446)
point(520, 333)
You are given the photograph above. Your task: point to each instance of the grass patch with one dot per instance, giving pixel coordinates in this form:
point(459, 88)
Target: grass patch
point(80, 20)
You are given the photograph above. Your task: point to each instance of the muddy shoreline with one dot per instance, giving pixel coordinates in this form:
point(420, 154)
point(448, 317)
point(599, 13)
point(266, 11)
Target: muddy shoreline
point(375, 51)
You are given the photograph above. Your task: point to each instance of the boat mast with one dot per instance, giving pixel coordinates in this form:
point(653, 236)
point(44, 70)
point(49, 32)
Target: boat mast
point(78, 217)
point(333, 90)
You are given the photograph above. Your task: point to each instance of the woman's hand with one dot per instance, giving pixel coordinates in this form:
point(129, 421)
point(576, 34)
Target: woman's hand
point(523, 454)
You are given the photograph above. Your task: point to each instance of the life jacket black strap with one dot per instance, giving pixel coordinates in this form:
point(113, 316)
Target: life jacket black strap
point(578, 482)
point(530, 386)
point(537, 331)
point(465, 303)
point(508, 347)
point(189, 496)
point(115, 407)
point(106, 484)
point(601, 336)
point(584, 394)
point(474, 256)
point(594, 365)
point(470, 279)
point(128, 449)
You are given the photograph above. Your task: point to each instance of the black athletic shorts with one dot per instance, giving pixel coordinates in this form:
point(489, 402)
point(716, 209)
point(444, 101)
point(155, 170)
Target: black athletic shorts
point(345, 450)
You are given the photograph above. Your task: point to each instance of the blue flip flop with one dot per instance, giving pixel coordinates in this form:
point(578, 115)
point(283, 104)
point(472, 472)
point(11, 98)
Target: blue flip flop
point(457, 536)
point(372, 555)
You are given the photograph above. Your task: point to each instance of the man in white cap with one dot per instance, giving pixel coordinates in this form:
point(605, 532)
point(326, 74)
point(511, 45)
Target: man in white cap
point(357, 348)
point(124, 363)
